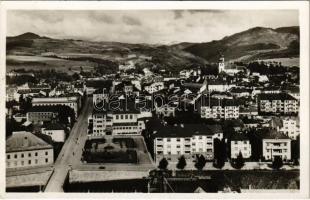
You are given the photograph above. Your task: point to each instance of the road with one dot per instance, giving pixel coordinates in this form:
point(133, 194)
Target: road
point(70, 154)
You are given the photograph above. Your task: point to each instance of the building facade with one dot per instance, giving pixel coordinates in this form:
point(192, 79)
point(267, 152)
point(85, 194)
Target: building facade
point(23, 149)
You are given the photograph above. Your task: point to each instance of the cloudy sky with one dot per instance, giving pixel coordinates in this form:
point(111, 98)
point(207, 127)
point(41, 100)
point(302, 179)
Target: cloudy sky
point(165, 26)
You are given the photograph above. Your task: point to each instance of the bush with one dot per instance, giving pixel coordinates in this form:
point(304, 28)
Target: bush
point(200, 162)
point(163, 164)
point(182, 163)
point(277, 163)
point(238, 163)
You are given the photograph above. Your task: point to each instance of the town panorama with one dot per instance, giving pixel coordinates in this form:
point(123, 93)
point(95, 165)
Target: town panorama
point(216, 116)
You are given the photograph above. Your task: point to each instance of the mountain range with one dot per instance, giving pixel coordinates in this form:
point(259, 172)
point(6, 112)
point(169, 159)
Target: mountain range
point(249, 45)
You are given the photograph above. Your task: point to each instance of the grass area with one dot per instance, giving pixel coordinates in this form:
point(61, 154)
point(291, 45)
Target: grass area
point(125, 142)
point(98, 151)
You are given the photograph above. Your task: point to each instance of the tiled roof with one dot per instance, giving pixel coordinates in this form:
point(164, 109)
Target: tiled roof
point(187, 130)
point(25, 141)
point(278, 96)
point(267, 133)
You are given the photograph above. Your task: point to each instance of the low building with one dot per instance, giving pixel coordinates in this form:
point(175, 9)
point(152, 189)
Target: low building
point(40, 114)
point(73, 102)
point(166, 110)
point(275, 144)
point(240, 143)
point(23, 149)
point(153, 87)
point(281, 103)
point(186, 139)
point(56, 131)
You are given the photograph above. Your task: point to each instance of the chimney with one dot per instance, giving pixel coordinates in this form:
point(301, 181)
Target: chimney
point(25, 142)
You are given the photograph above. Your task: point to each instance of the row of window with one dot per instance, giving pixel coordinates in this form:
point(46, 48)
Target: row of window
point(22, 163)
point(23, 155)
point(187, 139)
point(124, 116)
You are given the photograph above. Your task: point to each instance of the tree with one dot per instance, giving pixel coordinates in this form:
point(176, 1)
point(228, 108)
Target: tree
point(219, 153)
point(239, 162)
point(200, 162)
point(277, 162)
point(182, 163)
point(163, 164)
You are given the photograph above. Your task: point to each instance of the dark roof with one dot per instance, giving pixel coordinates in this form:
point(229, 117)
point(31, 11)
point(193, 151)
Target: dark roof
point(101, 90)
point(268, 133)
point(239, 137)
point(217, 102)
point(99, 83)
point(43, 109)
point(25, 141)
point(187, 130)
point(239, 90)
point(278, 96)
point(54, 126)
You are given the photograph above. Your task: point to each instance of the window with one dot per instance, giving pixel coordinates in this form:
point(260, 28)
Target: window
point(245, 148)
point(126, 116)
point(169, 152)
point(178, 152)
point(46, 153)
point(36, 153)
point(245, 142)
point(236, 142)
point(15, 155)
point(36, 161)
point(178, 146)
point(130, 116)
point(200, 137)
point(29, 154)
point(29, 162)
point(116, 116)
point(8, 156)
point(46, 160)
point(122, 117)
point(168, 139)
point(178, 139)
point(22, 155)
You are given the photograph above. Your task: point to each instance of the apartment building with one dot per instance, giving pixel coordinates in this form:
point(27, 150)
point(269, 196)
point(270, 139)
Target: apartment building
point(290, 127)
point(240, 143)
point(24, 149)
point(219, 109)
point(116, 122)
point(185, 139)
point(274, 144)
point(281, 103)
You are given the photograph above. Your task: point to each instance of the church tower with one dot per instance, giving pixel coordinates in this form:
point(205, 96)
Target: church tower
point(221, 66)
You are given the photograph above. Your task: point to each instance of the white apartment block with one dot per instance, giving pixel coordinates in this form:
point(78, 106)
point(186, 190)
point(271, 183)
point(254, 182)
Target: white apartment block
point(109, 123)
point(219, 109)
point(290, 127)
point(243, 146)
point(278, 103)
point(189, 140)
point(277, 147)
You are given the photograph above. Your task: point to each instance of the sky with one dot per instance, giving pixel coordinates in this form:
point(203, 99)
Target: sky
point(151, 26)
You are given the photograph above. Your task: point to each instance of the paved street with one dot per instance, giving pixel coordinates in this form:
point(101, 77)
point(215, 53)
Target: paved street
point(71, 151)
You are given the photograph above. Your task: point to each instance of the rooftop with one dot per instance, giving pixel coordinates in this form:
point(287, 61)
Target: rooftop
point(278, 96)
point(25, 141)
point(187, 130)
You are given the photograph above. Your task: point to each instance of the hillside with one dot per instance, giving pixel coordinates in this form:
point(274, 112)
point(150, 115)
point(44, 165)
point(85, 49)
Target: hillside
point(32, 50)
point(255, 43)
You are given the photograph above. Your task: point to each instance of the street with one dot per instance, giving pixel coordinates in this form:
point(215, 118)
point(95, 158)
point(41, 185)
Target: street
point(71, 151)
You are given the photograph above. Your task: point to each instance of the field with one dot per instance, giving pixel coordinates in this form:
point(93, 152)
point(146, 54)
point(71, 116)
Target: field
point(288, 62)
point(41, 63)
point(119, 150)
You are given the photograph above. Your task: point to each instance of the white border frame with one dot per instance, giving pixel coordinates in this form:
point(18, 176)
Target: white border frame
point(301, 6)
